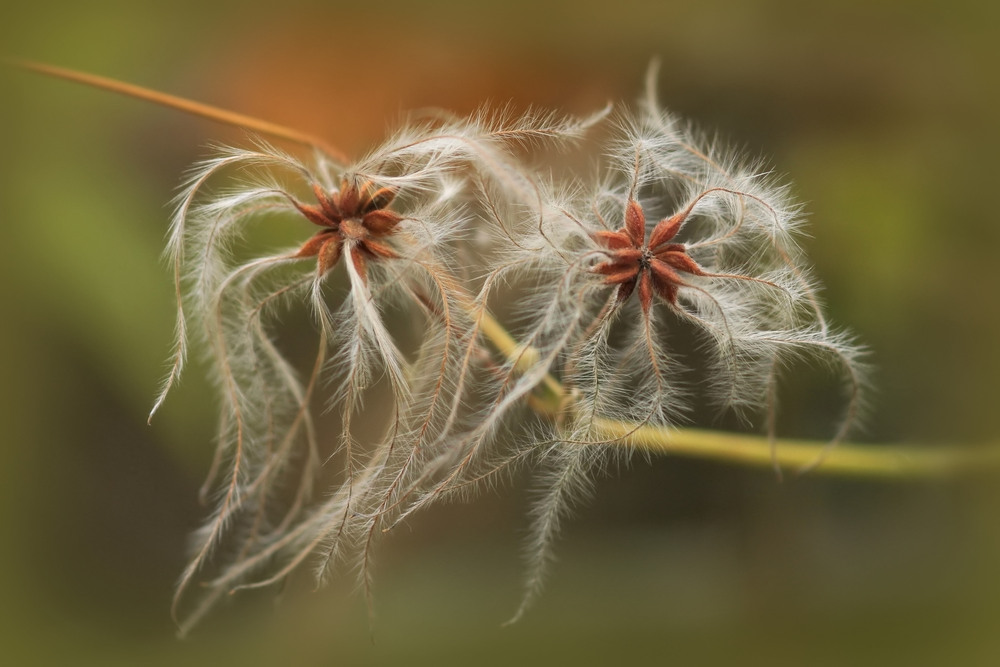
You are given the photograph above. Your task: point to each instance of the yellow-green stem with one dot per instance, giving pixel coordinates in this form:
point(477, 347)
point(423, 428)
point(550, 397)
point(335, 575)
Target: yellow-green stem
point(846, 459)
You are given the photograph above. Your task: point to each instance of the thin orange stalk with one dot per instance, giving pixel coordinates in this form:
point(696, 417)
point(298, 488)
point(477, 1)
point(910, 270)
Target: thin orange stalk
point(185, 105)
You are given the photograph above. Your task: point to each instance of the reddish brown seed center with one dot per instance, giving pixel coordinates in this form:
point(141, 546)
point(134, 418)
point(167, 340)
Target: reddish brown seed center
point(352, 229)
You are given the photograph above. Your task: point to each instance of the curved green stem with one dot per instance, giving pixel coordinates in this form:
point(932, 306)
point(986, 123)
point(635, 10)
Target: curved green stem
point(846, 459)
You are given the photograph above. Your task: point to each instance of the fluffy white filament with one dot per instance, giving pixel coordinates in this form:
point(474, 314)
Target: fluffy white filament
point(425, 406)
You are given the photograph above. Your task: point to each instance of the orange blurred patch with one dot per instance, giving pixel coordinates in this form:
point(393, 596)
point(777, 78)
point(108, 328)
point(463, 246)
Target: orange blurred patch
point(353, 88)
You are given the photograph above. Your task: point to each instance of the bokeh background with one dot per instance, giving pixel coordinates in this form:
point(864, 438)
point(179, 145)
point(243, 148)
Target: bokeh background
point(883, 114)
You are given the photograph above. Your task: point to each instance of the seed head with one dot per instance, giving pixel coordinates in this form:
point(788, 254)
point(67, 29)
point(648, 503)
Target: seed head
point(356, 215)
point(705, 241)
point(653, 266)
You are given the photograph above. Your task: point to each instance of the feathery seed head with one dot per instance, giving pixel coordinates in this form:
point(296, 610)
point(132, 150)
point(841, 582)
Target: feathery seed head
point(653, 265)
point(356, 215)
point(704, 241)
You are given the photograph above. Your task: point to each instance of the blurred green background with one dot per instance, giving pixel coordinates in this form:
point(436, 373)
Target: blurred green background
point(882, 114)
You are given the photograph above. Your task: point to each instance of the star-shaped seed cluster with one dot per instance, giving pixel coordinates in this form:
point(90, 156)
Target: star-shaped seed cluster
point(355, 216)
point(653, 266)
